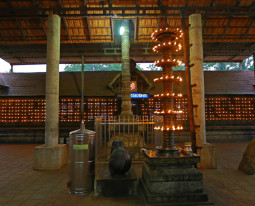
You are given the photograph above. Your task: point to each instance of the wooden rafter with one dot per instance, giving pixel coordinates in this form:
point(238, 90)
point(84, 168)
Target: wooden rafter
point(86, 19)
point(136, 28)
point(66, 29)
point(237, 2)
point(21, 30)
point(88, 28)
point(43, 27)
point(186, 3)
point(139, 11)
point(112, 29)
point(64, 20)
point(212, 3)
point(244, 36)
point(227, 26)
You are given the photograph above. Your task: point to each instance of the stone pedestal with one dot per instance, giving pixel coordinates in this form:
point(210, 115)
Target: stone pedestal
point(207, 153)
point(121, 185)
point(50, 158)
point(172, 180)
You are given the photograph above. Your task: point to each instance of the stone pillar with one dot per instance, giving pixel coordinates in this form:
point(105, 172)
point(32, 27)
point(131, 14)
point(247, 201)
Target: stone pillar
point(52, 81)
point(126, 98)
point(51, 155)
point(198, 92)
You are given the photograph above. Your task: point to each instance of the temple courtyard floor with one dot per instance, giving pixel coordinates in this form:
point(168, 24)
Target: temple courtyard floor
point(21, 185)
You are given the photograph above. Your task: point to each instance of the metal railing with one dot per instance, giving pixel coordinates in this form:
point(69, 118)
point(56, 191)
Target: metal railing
point(136, 133)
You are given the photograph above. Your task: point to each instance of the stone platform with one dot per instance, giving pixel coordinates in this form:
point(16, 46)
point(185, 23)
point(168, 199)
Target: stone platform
point(172, 180)
point(119, 185)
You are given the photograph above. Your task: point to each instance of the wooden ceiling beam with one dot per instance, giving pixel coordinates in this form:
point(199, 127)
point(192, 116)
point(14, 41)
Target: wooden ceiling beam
point(88, 28)
point(110, 4)
point(108, 27)
point(66, 28)
point(237, 2)
point(22, 32)
point(124, 14)
point(112, 29)
point(136, 29)
point(227, 26)
point(64, 21)
point(209, 10)
point(248, 29)
point(186, 3)
point(43, 28)
point(212, 4)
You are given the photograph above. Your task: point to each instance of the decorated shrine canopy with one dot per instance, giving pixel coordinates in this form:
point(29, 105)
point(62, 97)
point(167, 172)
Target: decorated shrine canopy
point(92, 27)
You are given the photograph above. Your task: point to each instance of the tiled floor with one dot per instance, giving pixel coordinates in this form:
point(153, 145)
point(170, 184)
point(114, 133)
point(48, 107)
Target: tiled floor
point(21, 185)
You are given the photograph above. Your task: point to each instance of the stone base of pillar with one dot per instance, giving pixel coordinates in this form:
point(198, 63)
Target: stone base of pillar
point(50, 158)
point(207, 153)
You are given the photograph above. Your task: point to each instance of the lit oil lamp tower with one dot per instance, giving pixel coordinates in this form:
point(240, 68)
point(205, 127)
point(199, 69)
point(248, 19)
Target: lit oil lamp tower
point(168, 42)
point(167, 176)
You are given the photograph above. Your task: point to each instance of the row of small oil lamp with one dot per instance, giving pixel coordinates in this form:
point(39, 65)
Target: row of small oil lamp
point(167, 45)
point(171, 128)
point(169, 95)
point(173, 62)
point(169, 112)
point(178, 78)
point(178, 33)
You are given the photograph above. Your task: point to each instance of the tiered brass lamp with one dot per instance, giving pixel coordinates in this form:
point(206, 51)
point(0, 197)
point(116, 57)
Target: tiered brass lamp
point(168, 43)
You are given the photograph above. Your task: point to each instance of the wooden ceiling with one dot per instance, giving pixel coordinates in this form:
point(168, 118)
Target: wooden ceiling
point(92, 27)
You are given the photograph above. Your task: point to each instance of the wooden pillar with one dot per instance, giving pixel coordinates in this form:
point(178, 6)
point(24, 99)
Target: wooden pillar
point(126, 92)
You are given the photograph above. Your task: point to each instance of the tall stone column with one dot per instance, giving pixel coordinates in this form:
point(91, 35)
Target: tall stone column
point(52, 81)
point(126, 98)
point(197, 76)
point(51, 155)
point(206, 151)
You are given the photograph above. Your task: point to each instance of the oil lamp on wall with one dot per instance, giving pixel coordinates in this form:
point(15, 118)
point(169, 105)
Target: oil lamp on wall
point(168, 42)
